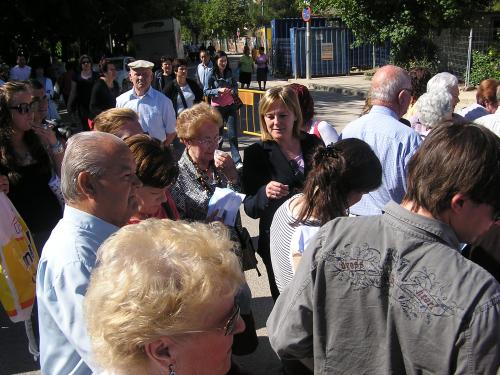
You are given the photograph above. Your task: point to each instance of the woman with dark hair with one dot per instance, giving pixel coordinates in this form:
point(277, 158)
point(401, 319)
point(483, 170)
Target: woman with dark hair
point(29, 157)
point(164, 75)
point(105, 89)
point(182, 91)
point(81, 89)
point(222, 88)
point(341, 173)
point(276, 168)
point(157, 170)
point(419, 77)
point(321, 129)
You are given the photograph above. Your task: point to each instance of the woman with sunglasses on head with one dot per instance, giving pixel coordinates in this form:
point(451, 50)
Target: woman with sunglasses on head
point(276, 167)
point(81, 90)
point(29, 156)
point(173, 310)
point(202, 169)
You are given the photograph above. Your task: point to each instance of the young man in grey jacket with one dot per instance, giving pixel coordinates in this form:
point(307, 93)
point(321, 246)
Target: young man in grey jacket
point(392, 294)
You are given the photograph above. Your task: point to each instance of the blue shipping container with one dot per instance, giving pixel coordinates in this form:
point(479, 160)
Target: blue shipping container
point(329, 51)
point(280, 41)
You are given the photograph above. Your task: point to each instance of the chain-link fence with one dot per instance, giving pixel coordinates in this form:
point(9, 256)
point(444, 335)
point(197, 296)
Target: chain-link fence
point(453, 44)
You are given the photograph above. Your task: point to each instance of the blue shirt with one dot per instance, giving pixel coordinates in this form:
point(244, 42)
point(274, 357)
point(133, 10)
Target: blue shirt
point(155, 110)
point(202, 73)
point(63, 275)
point(394, 144)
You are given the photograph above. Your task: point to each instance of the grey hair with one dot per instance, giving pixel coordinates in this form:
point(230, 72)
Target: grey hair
point(432, 107)
point(442, 82)
point(390, 88)
point(84, 154)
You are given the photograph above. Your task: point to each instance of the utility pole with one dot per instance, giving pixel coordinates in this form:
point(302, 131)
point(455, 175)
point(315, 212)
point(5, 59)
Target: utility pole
point(306, 17)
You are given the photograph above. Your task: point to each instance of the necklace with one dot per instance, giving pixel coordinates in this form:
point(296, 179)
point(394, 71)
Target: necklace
point(203, 176)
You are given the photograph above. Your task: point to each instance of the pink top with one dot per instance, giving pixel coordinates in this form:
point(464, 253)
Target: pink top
point(223, 99)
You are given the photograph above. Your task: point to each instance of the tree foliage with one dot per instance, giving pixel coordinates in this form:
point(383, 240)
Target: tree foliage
point(406, 23)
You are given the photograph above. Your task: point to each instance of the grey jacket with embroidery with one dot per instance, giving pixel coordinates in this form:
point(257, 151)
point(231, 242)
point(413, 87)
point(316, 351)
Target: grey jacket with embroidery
point(389, 294)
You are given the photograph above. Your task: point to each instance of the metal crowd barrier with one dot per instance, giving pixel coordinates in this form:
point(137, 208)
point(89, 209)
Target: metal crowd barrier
point(248, 114)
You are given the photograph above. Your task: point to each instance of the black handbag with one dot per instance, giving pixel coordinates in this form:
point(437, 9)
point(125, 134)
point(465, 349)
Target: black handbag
point(247, 256)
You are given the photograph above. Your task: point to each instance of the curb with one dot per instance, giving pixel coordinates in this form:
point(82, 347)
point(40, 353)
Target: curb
point(361, 94)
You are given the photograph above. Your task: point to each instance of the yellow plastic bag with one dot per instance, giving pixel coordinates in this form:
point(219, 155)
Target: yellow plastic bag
point(18, 263)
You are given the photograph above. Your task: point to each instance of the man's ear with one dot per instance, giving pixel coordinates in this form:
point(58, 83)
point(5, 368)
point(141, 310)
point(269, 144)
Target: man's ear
point(86, 185)
point(457, 202)
point(161, 351)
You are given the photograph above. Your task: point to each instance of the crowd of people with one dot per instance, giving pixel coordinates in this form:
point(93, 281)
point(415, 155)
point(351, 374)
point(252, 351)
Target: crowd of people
point(380, 243)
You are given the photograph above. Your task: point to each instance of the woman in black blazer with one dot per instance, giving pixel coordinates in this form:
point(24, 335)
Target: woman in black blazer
point(275, 168)
point(182, 91)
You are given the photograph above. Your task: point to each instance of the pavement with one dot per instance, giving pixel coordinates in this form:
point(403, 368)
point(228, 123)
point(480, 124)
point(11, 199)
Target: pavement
point(338, 100)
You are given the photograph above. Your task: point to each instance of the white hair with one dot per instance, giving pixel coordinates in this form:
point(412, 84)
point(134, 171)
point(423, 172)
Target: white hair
point(442, 82)
point(433, 107)
point(84, 153)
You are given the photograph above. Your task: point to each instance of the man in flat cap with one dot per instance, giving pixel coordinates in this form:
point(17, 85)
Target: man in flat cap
point(155, 110)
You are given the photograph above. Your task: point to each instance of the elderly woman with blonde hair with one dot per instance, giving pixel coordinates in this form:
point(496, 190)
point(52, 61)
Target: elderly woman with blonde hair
point(202, 169)
point(162, 300)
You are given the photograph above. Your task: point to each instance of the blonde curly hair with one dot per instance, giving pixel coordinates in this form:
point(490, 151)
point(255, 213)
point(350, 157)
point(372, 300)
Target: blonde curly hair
point(154, 279)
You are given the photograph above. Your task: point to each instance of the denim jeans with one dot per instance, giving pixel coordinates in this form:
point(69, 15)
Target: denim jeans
point(228, 114)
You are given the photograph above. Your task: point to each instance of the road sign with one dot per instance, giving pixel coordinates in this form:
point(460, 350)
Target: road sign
point(306, 14)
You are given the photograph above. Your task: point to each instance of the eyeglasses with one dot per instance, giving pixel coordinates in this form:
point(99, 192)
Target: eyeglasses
point(230, 325)
point(85, 62)
point(209, 141)
point(24, 108)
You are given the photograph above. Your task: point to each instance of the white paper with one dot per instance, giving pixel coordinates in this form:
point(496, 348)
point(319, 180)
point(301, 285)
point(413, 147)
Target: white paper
point(225, 205)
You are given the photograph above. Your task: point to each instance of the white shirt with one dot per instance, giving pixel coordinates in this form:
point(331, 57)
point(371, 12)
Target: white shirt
point(188, 96)
point(473, 112)
point(155, 110)
point(491, 122)
point(20, 74)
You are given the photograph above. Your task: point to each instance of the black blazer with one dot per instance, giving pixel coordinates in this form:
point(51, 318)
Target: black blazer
point(172, 91)
point(264, 162)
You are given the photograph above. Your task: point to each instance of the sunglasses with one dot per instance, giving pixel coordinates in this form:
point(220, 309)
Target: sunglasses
point(24, 108)
point(85, 62)
point(230, 325)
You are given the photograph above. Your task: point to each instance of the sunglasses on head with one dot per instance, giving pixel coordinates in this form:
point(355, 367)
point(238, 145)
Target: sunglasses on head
point(24, 108)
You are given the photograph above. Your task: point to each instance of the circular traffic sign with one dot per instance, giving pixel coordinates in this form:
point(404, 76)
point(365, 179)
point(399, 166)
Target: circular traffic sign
point(306, 14)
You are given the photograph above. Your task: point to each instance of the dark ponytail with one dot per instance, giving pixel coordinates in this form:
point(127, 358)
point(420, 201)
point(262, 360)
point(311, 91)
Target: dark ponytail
point(347, 166)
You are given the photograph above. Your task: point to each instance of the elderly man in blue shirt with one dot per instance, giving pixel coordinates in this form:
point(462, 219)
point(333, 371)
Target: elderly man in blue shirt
point(393, 142)
point(99, 185)
point(155, 110)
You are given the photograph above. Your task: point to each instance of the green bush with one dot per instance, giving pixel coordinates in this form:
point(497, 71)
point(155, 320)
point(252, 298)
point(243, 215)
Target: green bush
point(484, 66)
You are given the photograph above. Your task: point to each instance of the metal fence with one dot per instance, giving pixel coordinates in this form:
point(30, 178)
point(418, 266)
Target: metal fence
point(453, 44)
point(248, 114)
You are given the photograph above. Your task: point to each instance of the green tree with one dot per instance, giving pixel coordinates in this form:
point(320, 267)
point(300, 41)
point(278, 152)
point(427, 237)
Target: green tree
point(224, 17)
point(406, 23)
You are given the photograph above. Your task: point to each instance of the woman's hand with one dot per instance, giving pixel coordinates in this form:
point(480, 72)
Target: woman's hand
point(276, 190)
point(4, 184)
point(47, 135)
point(224, 162)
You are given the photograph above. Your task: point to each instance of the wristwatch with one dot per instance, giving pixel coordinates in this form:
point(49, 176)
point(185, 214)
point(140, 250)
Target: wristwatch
point(57, 148)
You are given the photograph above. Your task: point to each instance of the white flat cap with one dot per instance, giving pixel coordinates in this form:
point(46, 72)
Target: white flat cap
point(141, 64)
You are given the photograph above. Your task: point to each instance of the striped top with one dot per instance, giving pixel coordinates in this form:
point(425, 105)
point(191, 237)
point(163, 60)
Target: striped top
point(287, 241)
